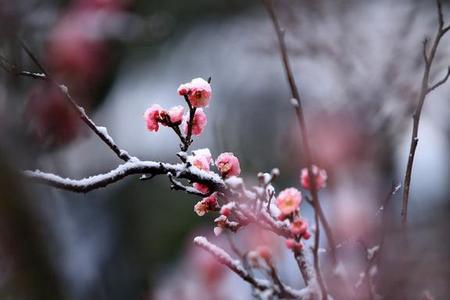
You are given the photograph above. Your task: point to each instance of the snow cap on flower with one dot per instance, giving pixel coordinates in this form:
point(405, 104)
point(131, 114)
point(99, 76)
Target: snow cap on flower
point(320, 177)
point(228, 164)
point(288, 200)
point(198, 124)
point(176, 114)
point(205, 153)
point(151, 117)
point(198, 92)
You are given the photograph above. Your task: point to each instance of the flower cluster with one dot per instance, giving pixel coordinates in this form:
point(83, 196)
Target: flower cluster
point(198, 94)
point(288, 202)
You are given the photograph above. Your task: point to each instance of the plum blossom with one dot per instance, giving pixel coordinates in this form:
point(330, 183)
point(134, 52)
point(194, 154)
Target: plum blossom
point(320, 176)
point(206, 204)
point(198, 124)
point(204, 152)
point(288, 200)
point(151, 116)
point(198, 92)
point(176, 114)
point(228, 164)
point(300, 228)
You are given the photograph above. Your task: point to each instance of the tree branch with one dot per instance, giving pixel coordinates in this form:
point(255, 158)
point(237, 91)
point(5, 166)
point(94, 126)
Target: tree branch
point(132, 167)
point(425, 89)
point(297, 103)
point(236, 266)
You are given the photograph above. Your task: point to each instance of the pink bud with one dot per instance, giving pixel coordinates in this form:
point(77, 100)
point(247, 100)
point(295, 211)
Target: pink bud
point(151, 116)
point(306, 235)
point(264, 252)
point(320, 177)
point(211, 200)
point(298, 227)
point(225, 211)
point(294, 245)
point(228, 164)
point(288, 200)
point(201, 188)
point(184, 89)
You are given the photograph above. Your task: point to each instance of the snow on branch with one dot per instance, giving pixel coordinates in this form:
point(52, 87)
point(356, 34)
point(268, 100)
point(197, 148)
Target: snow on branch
point(132, 167)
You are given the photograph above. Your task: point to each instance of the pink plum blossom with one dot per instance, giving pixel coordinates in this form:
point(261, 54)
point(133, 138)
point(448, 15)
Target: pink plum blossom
point(151, 116)
point(198, 92)
point(176, 114)
point(200, 162)
point(198, 124)
point(320, 177)
point(228, 164)
point(206, 204)
point(288, 200)
point(205, 153)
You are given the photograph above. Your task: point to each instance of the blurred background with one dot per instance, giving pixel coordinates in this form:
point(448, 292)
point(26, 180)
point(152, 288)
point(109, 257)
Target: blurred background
point(358, 65)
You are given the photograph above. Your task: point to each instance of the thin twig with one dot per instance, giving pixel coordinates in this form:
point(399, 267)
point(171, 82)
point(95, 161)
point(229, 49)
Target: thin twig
point(99, 131)
point(315, 251)
point(303, 130)
point(178, 186)
point(425, 89)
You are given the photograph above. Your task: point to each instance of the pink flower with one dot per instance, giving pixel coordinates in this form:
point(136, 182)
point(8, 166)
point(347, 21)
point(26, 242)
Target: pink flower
point(320, 177)
point(176, 114)
point(294, 245)
point(288, 200)
point(298, 227)
point(198, 92)
point(201, 188)
point(228, 164)
point(206, 204)
point(198, 124)
point(201, 208)
point(205, 153)
point(151, 116)
point(200, 162)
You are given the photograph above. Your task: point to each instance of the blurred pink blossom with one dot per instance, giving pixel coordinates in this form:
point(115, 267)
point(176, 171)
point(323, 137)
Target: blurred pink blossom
point(288, 201)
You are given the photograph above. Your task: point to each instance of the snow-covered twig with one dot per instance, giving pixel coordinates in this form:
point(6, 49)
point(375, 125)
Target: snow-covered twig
point(132, 167)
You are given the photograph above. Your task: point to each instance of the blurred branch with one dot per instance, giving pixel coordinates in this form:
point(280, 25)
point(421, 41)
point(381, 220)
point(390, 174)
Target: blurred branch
point(101, 132)
point(425, 89)
point(235, 265)
point(297, 103)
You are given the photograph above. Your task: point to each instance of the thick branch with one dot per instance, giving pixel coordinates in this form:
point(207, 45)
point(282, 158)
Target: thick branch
point(425, 89)
point(132, 167)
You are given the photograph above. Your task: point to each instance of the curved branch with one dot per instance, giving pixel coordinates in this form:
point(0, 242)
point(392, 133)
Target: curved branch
point(132, 167)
